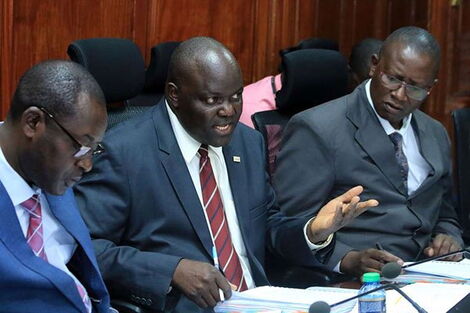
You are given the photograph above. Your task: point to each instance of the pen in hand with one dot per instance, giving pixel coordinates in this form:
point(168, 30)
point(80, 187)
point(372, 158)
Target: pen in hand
point(379, 246)
point(216, 264)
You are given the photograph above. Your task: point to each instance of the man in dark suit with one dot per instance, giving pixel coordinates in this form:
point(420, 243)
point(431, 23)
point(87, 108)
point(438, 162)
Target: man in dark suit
point(188, 180)
point(376, 137)
point(47, 264)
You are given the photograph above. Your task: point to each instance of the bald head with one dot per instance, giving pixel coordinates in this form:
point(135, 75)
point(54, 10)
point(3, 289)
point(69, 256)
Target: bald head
point(199, 55)
point(55, 85)
point(417, 41)
point(204, 88)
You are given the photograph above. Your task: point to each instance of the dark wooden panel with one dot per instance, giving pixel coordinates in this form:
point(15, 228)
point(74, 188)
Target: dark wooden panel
point(6, 22)
point(255, 30)
point(327, 19)
point(227, 21)
point(43, 29)
point(462, 55)
point(400, 13)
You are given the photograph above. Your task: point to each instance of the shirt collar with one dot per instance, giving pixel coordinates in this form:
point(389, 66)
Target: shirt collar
point(17, 188)
point(187, 144)
point(386, 124)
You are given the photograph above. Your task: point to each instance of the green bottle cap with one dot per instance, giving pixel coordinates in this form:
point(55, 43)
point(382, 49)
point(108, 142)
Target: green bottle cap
point(371, 278)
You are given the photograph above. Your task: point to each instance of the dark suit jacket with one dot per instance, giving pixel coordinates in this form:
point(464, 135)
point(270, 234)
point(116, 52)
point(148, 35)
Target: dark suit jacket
point(144, 214)
point(340, 144)
point(30, 284)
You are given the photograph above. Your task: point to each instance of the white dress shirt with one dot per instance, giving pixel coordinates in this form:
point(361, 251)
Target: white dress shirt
point(59, 245)
point(419, 168)
point(189, 149)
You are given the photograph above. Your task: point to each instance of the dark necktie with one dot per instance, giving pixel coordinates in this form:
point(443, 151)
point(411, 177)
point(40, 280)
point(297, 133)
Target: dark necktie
point(397, 140)
point(213, 206)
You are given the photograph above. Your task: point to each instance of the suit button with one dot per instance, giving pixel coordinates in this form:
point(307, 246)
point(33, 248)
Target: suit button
point(149, 302)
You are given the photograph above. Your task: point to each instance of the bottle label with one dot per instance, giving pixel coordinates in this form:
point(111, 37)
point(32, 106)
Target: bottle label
point(375, 305)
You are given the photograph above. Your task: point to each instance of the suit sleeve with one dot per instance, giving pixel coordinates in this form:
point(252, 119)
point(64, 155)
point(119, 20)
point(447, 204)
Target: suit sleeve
point(305, 177)
point(448, 219)
point(285, 234)
point(104, 199)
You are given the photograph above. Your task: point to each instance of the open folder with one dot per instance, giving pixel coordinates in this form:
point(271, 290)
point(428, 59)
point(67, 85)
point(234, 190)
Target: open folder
point(286, 300)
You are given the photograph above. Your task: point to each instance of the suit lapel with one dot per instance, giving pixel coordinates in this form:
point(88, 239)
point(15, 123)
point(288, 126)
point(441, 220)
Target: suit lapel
point(372, 138)
point(178, 174)
point(427, 147)
point(237, 179)
point(12, 237)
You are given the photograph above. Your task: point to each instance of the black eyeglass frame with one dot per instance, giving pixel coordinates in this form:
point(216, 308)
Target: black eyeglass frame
point(425, 92)
point(83, 150)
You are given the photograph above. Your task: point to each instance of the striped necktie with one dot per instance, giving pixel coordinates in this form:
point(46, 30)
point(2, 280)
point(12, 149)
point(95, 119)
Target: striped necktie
point(214, 210)
point(34, 237)
point(34, 234)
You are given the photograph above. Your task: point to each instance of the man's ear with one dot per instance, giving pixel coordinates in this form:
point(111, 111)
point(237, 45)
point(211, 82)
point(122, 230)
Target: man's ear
point(172, 94)
point(33, 122)
point(374, 62)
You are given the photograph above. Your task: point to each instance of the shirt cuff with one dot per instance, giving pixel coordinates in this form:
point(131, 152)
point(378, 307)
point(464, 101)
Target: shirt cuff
point(313, 246)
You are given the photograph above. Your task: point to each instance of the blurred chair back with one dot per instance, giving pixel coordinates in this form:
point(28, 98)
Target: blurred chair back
point(311, 77)
point(156, 74)
point(461, 119)
point(118, 67)
point(271, 125)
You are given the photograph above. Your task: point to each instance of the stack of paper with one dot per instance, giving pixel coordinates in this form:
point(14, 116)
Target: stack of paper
point(434, 298)
point(285, 300)
point(457, 270)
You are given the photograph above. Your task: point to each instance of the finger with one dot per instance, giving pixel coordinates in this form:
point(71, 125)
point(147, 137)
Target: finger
point(384, 256)
point(445, 246)
point(373, 264)
point(214, 292)
point(224, 285)
point(371, 269)
point(199, 300)
point(364, 205)
point(208, 297)
point(348, 195)
point(437, 242)
point(429, 251)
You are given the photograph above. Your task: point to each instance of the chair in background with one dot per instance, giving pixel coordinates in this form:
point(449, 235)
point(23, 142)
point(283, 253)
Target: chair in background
point(156, 74)
point(310, 77)
point(118, 67)
point(461, 120)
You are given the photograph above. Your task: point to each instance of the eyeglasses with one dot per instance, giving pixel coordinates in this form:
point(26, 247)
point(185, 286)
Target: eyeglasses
point(413, 92)
point(83, 150)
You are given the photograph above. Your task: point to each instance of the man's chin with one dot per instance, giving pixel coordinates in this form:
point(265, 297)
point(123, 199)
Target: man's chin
point(57, 190)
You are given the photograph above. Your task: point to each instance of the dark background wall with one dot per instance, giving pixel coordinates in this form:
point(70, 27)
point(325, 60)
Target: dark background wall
point(255, 30)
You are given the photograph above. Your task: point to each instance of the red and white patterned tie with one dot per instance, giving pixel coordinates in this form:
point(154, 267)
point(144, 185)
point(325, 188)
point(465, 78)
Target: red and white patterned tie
point(34, 237)
point(34, 234)
point(213, 206)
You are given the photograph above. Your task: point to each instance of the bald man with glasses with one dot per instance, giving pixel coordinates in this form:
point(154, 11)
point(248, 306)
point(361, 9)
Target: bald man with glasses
point(56, 121)
point(378, 138)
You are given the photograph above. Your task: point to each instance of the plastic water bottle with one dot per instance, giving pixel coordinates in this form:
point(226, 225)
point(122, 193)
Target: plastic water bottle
point(373, 302)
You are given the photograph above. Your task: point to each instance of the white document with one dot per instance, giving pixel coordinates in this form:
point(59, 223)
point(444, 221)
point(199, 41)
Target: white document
point(434, 298)
point(276, 299)
point(443, 268)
